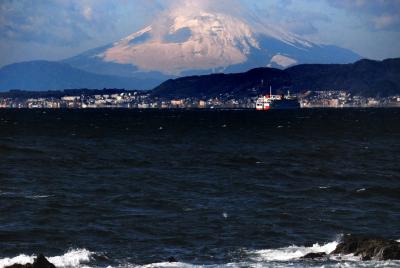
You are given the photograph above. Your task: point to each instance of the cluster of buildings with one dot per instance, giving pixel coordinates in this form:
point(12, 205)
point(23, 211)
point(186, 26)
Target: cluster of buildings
point(343, 99)
point(144, 100)
point(128, 100)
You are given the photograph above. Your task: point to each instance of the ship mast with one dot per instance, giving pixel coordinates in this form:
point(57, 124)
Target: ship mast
point(270, 91)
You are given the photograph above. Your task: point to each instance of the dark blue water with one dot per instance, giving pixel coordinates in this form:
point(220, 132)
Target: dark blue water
point(125, 188)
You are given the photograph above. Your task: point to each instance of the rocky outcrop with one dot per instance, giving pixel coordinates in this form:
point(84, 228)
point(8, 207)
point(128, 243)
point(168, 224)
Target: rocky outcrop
point(172, 260)
point(312, 256)
point(369, 248)
point(39, 262)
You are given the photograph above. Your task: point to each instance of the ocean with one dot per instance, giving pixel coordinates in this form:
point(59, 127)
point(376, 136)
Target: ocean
point(210, 188)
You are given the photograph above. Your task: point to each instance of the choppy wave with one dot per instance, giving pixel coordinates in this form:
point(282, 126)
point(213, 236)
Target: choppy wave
point(275, 265)
point(274, 258)
point(331, 264)
point(24, 195)
point(73, 258)
point(285, 257)
point(224, 190)
point(38, 196)
point(292, 252)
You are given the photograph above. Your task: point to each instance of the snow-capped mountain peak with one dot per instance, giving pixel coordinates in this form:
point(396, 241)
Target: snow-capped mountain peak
point(191, 39)
point(201, 41)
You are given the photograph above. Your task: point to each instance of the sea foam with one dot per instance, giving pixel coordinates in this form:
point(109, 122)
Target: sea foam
point(284, 257)
point(73, 258)
point(292, 252)
point(274, 258)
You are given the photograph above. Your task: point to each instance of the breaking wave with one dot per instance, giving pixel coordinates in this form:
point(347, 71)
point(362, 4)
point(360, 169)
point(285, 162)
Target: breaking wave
point(274, 258)
point(285, 257)
point(73, 258)
point(292, 252)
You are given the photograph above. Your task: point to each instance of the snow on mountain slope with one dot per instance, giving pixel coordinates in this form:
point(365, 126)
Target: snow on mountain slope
point(190, 40)
point(282, 60)
point(204, 41)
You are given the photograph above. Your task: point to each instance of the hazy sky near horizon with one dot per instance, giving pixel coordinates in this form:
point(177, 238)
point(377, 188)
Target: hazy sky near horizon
point(57, 29)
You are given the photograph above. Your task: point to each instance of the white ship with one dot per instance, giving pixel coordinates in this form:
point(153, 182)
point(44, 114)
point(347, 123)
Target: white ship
point(270, 101)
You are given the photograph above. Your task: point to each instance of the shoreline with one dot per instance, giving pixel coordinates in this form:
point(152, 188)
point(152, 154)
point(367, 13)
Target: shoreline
point(349, 250)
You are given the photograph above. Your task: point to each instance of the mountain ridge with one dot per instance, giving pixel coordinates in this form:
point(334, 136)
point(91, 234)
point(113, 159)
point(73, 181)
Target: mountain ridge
point(48, 75)
point(184, 41)
point(364, 77)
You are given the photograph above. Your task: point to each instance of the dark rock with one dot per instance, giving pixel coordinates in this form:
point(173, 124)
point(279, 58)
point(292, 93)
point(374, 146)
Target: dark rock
point(369, 247)
point(366, 258)
point(315, 255)
point(39, 262)
point(171, 259)
point(42, 262)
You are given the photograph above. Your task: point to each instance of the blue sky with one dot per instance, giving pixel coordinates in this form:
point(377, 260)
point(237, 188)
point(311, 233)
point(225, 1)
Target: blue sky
point(57, 29)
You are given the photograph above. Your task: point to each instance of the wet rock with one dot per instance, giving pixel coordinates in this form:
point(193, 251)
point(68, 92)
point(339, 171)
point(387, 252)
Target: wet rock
point(39, 262)
point(42, 262)
point(172, 259)
point(369, 248)
point(315, 255)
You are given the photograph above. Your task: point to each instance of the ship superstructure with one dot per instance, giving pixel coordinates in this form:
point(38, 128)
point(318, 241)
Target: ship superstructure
point(282, 101)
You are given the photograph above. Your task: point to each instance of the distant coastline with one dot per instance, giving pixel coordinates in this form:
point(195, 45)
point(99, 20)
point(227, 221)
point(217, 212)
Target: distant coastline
point(126, 99)
point(365, 83)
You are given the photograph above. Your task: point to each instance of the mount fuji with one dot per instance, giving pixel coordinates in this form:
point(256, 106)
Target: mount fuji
point(200, 42)
point(183, 42)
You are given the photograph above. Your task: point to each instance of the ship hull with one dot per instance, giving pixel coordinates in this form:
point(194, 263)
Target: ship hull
point(284, 104)
point(277, 102)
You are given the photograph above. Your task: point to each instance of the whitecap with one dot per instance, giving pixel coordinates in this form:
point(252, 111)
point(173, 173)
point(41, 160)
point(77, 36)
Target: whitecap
point(21, 259)
point(73, 258)
point(281, 257)
point(38, 196)
point(349, 261)
point(165, 264)
point(348, 264)
point(292, 252)
point(4, 193)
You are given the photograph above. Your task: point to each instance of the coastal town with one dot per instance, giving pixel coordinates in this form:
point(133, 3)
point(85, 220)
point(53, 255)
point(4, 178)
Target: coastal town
point(115, 98)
